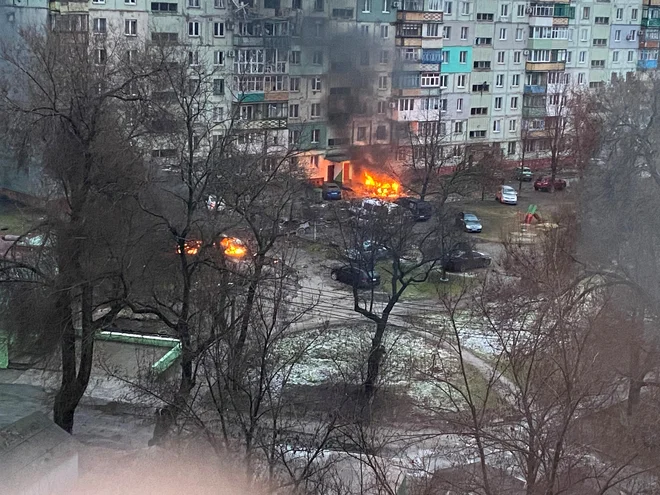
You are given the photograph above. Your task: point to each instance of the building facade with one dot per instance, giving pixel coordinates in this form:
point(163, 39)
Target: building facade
point(349, 81)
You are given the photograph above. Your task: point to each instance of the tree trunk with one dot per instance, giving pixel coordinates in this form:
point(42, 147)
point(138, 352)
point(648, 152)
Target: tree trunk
point(376, 355)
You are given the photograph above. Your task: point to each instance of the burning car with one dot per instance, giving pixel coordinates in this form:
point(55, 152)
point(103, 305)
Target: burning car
point(233, 248)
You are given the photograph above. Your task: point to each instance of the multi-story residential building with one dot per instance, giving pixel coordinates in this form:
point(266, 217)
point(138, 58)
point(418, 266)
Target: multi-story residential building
point(347, 81)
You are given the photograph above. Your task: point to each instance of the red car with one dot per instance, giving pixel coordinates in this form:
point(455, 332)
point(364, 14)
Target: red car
point(543, 184)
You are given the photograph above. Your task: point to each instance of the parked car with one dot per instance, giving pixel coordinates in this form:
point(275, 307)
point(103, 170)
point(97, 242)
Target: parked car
point(330, 190)
point(507, 195)
point(421, 210)
point(365, 210)
point(543, 184)
point(367, 251)
point(523, 173)
point(464, 258)
point(469, 222)
point(355, 276)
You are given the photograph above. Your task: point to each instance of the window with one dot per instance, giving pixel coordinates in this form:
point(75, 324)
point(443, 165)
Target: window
point(130, 27)
point(458, 126)
point(193, 58)
point(382, 82)
point(514, 103)
point(364, 30)
point(410, 54)
point(513, 124)
point(445, 56)
point(597, 64)
point(219, 4)
point(406, 104)
point(520, 12)
point(582, 57)
point(478, 111)
point(464, 33)
point(384, 31)
point(98, 1)
point(519, 34)
point(633, 14)
point(294, 110)
point(218, 57)
point(432, 30)
point(483, 41)
point(163, 7)
point(218, 114)
point(384, 57)
point(315, 110)
point(100, 56)
point(361, 134)
point(193, 28)
point(480, 88)
point(462, 57)
point(569, 57)
point(448, 5)
point(461, 80)
point(619, 14)
point(218, 86)
point(316, 133)
point(504, 10)
point(632, 36)
point(318, 5)
point(511, 148)
point(585, 12)
point(446, 32)
point(502, 34)
point(294, 136)
point(600, 42)
point(382, 107)
point(515, 80)
point(584, 34)
point(294, 84)
point(477, 134)
point(500, 57)
point(499, 80)
point(294, 57)
point(617, 35)
point(218, 29)
point(602, 20)
point(481, 65)
point(193, 4)
point(459, 104)
point(484, 17)
point(316, 84)
point(465, 8)
point(386, 7)
point(366, 6)
point(100, 25)
point(433, 5)
point(129, 2)
point(497, 125)
point(631, 55)
point(317, 58)
point(381, 132)
point(431, 79)
point(498, 103)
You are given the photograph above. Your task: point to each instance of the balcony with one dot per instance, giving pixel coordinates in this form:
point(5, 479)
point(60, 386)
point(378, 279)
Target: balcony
point(534, 112)
point(544, 66)
point(651, 22)
point(647, 64)
point(248, 41)
point(645, 44)
point(534, 89)
point(262, 124)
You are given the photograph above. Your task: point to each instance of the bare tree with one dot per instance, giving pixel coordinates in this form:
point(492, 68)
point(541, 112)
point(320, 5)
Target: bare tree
point(68, 104)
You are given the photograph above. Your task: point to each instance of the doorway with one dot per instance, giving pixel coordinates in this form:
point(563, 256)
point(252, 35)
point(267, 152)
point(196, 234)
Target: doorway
point(331, 173)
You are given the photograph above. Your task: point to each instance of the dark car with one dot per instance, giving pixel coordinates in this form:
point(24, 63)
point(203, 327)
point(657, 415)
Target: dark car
point(469, 222)
point(421, 210)
point(331, 191)
point(355, 276)
point(543, 184)
point(523, 173)
point(367, 251)
point(463, 259)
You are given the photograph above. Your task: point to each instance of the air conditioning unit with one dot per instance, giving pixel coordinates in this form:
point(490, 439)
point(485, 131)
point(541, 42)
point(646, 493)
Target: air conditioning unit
point(396, 5)
point(393, 104)
point(525, 52)
point(529, 11)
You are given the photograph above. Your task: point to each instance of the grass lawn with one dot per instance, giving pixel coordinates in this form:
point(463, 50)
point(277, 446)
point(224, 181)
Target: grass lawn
point(497, 219)
point(16, 219)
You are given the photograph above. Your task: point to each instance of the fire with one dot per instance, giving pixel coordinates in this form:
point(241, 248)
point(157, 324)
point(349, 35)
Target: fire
point(387, 188)
point(233, 247)
point(191, 247)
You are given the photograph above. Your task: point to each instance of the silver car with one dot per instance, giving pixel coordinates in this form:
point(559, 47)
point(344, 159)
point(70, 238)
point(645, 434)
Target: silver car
point(507, 195)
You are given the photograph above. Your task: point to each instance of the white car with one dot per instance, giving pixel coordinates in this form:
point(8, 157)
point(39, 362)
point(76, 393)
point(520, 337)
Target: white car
point(507, 195)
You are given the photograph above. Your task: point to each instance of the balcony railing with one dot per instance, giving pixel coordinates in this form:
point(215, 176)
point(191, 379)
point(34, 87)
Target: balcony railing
point(647, 64)
point(534, 89)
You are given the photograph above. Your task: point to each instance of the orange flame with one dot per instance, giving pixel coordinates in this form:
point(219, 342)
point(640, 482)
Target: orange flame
point(233, 247)
point(191, 247)
point(382, 189)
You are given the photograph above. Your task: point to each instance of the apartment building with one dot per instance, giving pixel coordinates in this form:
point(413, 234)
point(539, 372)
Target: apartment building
point(347, 81)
